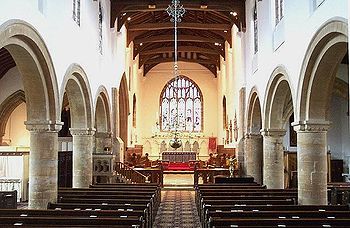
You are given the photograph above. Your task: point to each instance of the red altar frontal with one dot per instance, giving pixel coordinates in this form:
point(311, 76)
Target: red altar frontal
point(178, 160)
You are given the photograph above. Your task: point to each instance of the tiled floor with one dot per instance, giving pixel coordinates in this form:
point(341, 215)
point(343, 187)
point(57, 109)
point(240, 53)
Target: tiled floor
point(177, 210)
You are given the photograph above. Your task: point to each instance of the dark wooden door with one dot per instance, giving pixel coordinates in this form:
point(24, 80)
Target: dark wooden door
point(65, 163)
point(337, 170)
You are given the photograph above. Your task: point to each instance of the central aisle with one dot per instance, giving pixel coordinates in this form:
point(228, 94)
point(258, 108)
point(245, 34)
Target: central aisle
point(177, 210)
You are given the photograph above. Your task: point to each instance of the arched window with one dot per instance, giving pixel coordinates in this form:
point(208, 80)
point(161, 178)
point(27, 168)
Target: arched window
point(224, 113)
point(76, 11)
point(134, 111)
point(255, 18)
point(100, 20)
point(181, 106)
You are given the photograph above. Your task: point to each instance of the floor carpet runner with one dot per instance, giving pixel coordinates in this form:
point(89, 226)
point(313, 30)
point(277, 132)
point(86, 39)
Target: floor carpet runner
point(177, 210)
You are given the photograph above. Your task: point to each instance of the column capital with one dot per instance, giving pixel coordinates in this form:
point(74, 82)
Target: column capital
point(82, 131)
point(311, 125)
point(252, 135)
point(43, 126)
point(273, 132)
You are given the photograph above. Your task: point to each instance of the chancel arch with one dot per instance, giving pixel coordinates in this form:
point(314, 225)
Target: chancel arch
point(277, 104)
point(76, 86)
point(326, 51)
point(34, 63)
point(102, 121)
point(253, 138)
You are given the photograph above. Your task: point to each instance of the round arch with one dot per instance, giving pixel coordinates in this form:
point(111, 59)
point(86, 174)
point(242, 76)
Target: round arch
point(77, 88)
point(7, 107)
point(253, 139)
point(254, 118)
point(323, 56)
point(278, 101)
point(35, 65)
point(124, 110)
point(102, 111)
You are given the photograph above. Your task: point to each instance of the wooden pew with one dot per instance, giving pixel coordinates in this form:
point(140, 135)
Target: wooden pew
point(273, 222)
point(131, 221)
point(75, 213)
point(124, 194)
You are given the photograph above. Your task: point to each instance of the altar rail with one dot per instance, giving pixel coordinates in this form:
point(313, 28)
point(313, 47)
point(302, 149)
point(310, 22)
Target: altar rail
point(179, 156)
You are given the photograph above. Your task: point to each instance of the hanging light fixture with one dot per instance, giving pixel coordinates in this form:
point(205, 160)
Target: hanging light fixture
point(176, 12)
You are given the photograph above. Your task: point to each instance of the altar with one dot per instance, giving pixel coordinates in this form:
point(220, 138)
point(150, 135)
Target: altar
point(179, 156)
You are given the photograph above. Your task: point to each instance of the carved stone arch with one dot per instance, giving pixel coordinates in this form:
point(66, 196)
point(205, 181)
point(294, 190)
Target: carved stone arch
point(318, 72)
point(277, 97)
point(187, 146)
point(324, 54)
point(33, 60)
point(77, 87)
point(103, 139)
point(147, 148)
point(102, 110)
point(124, 110)
point(195, 146)
point(254, 114)
point(7, 107)
point(163, 146)
point(35, 65)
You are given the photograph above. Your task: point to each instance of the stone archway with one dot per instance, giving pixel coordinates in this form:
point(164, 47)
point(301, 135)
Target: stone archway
point(7, 107)
point(323, 56)
point(277, 105)
point(123, 110)
point(253, 138)
point(34, 63)
point(76, 86)
point(102, 121)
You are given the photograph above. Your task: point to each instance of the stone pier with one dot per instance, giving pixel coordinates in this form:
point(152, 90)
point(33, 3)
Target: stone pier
point(312, 162)
point(273, 168)
point(254, 156)
point(83, 147)
point(43, 164)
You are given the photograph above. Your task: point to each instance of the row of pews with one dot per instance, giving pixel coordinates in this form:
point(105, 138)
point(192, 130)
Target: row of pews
point(102, 205)
point(252, 205)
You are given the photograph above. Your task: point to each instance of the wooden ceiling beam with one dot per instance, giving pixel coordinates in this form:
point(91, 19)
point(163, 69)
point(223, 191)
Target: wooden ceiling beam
point(180, 49)
point(164, 60)
point(182, 25)
point(170, 38)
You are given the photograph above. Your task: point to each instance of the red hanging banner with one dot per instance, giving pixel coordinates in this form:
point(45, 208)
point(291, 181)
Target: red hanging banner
point(212, 143)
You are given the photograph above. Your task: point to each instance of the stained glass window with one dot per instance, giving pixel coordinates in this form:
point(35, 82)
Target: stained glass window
point(181, 105)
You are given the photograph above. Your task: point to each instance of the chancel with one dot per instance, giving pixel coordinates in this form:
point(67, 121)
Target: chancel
point(174, 113)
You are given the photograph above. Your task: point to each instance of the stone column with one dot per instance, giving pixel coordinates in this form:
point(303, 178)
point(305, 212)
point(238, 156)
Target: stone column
point(312, 162)
point(83, 143)
point(254, 156)
point(273, 168)
point(101, 141)
point(43, 164)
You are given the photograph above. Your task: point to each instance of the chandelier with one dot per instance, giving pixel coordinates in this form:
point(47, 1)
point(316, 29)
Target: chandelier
point(176, 12)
